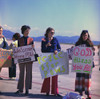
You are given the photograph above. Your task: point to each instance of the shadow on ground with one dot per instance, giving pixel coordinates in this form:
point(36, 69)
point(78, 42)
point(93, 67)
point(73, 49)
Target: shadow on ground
point(34, 96)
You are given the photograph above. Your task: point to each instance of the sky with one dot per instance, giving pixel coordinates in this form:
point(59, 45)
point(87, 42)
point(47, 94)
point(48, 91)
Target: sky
point(67, 17)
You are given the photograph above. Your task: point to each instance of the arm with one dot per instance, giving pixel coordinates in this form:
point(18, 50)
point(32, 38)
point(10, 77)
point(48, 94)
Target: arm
point(5, 44)
point(43, 46)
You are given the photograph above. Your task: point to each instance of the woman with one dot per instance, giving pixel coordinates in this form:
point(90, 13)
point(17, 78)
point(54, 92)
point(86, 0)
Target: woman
point(24, 41)
point(3, 43)
point(12, 69)
point(82, 82)
point(50, 44)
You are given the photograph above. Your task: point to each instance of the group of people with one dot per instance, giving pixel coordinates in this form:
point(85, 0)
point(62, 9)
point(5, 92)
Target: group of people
point(48, 44)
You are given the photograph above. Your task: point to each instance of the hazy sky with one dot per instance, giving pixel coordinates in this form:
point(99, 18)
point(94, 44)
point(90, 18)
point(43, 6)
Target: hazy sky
point(67, 17)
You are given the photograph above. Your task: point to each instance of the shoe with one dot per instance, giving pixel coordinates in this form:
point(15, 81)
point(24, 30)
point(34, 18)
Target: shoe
point(0, 93)
point(18, 92)
point(26, 93)
point(58, 95)
point(88, 97)
point(1, 78)
point(47, 94)
point(82, 97)
point(13, 78)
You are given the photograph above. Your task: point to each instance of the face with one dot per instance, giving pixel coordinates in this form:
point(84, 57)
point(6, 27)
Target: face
point(1, 31)
point(26, 32)
point(51, 33)
point(85, 37)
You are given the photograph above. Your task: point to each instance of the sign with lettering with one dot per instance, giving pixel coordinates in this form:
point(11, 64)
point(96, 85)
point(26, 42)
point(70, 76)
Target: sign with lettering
point(5, 58)
point(51, 64)
point(82, 60)
point(70, 53)
point(23, 54)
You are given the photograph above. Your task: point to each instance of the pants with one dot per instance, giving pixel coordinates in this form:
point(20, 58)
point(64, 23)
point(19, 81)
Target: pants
point(28, 77)
point(54, 86)
point(12, 69)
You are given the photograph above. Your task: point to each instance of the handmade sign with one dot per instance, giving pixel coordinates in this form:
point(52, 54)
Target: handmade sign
point(5, 58)
point(70, 53)
point(23, 54)
point(51, 64)
point(82, 59)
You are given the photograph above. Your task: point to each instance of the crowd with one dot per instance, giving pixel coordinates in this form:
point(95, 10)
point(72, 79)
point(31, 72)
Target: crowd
point(48, 44)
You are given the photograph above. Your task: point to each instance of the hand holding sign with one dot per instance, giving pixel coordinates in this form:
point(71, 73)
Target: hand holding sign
point(51, 64)
point(82, 59)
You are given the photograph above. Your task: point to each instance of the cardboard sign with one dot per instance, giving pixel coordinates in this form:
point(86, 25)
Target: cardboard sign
point(23, 54)
point(51, 64)
point(70, 53)
point(5, 58)
point(82, 60)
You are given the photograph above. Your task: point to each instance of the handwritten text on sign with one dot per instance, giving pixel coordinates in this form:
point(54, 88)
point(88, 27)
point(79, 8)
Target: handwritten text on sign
point(5, 58)
point(51, 64)
point(23, 54)
point(82, 59)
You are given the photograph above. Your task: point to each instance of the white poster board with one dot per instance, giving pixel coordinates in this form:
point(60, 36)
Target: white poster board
point(82, 60)
point(51, 64)
point(23, 54)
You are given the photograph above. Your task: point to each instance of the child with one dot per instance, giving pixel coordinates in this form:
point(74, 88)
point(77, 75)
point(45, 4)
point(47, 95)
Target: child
point(12, 69)
point(82, 82)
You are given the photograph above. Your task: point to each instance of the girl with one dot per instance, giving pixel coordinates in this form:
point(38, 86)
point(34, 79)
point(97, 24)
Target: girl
point(50, 44)
point(24, 41)
point(12, 69)
point(82, 82)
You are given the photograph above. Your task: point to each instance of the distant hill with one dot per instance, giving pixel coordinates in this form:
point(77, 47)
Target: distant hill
point(62, 39)
point(65, 39)
point(8, 34)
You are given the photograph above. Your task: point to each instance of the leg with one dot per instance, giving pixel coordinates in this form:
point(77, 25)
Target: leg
point(0, 71)
point(13, 69)
point(21, 77)
point(46, 86)
point(87, 85)
point(28, 80)
point(54, 89)
point(79, 83)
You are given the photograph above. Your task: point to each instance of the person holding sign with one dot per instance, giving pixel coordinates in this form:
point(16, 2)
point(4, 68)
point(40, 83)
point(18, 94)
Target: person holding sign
point(3, 43)
point(82, 82)
point(50, 44)
point(12, 69)
point(24, 41)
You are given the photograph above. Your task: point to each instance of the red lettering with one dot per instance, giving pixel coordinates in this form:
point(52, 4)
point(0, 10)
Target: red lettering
point(74, 67)
point(82, 53)
point(89, 52)
point(76, 51)
point(87, 68)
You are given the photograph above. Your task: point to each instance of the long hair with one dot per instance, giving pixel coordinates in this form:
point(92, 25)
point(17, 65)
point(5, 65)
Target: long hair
point(47, 31)
point(88, 41)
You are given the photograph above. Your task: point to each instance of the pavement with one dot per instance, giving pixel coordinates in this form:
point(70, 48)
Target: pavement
point(65, 82)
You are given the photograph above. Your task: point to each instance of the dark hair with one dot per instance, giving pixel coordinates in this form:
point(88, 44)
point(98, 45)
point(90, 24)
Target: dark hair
point(47, 31)
point(16, 36)
point(24, 27)
point(88, 41)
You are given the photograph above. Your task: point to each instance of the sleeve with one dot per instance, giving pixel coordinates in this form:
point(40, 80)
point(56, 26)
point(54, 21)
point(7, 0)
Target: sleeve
point(56, 45)
point(5, 44)
point(43, 46)
point(32, 41)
